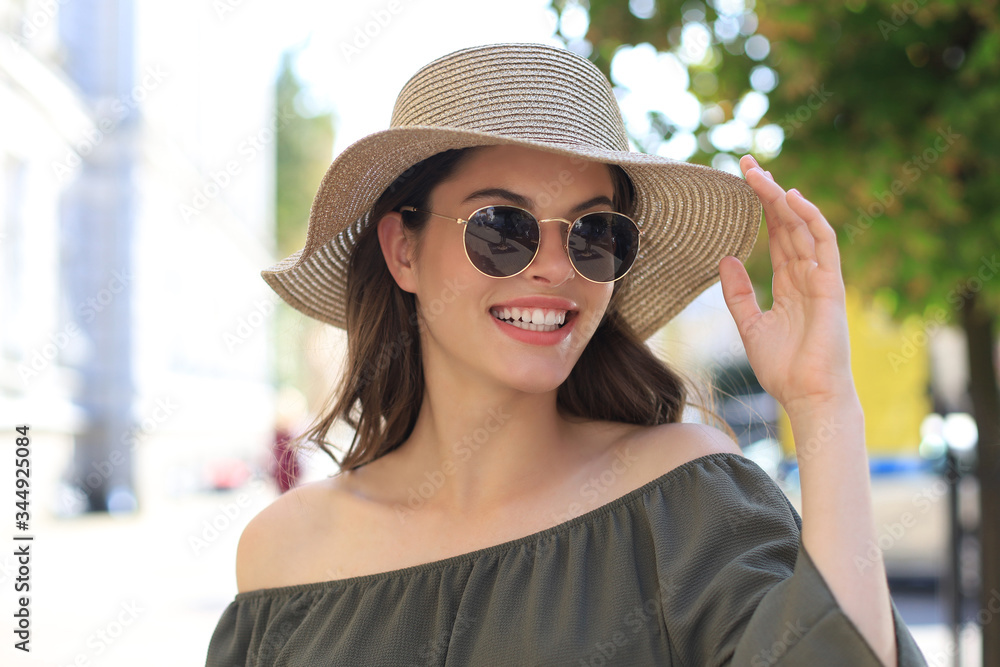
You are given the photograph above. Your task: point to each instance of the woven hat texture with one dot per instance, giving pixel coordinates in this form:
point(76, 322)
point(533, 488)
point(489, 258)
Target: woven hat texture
point(540, 97)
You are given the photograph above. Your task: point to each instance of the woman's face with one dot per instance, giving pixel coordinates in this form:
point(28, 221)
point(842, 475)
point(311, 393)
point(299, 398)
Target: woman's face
point(462, 334)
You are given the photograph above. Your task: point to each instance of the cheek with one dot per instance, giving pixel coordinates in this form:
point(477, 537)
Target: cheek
point(447, 281)
point(602, 296)
point(598, 298)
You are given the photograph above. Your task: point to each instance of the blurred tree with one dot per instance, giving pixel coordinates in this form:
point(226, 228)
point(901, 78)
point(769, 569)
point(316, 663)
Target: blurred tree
point(304, 151)
point(884, 114)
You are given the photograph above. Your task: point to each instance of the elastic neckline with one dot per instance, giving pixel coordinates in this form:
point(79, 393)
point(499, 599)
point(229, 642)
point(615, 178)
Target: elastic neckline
point(631, 496)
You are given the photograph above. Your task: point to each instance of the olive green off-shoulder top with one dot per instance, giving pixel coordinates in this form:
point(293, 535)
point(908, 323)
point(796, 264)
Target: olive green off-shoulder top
point(701, 566)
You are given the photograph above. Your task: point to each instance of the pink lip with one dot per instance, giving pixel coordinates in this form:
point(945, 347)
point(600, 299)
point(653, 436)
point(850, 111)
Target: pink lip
point(551, 302)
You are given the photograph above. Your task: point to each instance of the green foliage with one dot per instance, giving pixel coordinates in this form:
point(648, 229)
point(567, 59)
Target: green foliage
point(304, 148)
point(901, 150)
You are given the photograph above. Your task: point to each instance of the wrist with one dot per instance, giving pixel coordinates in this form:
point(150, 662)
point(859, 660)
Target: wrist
point(842, 403)
point(818, 426)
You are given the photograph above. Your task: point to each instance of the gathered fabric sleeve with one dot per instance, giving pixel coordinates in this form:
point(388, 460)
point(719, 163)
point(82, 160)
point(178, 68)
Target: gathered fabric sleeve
point(231, 640)
point(737, 586)
point(255, 627)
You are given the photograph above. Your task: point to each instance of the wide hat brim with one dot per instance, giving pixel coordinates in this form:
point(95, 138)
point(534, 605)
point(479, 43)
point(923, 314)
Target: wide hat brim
point(691, 216)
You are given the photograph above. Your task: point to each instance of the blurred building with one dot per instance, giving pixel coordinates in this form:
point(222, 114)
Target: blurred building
point(136, 211)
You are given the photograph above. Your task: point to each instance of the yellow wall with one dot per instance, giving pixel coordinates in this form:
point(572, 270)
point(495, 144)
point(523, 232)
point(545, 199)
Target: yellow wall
point(891, 371)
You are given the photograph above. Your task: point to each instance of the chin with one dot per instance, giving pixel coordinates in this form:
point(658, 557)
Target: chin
point(535, 380)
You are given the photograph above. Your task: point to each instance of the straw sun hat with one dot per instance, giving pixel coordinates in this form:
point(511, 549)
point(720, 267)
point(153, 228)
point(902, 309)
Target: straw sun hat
point(538, 97)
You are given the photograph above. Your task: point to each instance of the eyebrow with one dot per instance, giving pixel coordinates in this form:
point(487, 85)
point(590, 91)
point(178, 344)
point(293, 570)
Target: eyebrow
point(527, 203)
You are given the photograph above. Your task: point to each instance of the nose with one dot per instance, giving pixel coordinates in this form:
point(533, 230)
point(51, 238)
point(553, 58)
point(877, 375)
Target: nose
point(551, 263)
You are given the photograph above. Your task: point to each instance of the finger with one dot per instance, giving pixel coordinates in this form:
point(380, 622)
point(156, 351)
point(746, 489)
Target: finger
point(748, 162)
point(825, 238)
point(737, 290)
point(799, 237)
point(775, 247)
point(780, 243)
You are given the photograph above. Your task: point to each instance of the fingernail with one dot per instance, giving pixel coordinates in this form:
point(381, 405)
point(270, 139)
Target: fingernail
point(769, 175)
point(794, 191)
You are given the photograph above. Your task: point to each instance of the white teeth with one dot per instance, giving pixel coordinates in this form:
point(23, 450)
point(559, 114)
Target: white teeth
point(531, 319)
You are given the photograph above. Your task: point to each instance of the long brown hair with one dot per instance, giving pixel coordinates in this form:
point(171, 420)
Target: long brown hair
point(617, 377)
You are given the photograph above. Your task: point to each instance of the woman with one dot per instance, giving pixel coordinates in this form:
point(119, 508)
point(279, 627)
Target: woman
point(521, 490)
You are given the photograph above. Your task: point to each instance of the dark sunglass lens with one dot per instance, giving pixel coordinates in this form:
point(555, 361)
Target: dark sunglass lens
point(501, 240)
point(603, 246)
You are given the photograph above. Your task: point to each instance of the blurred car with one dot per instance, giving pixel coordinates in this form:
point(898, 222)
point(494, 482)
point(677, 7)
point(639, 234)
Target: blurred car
point(911, 502)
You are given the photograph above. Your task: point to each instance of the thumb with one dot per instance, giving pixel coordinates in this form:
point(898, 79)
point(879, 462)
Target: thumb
point(738, 293)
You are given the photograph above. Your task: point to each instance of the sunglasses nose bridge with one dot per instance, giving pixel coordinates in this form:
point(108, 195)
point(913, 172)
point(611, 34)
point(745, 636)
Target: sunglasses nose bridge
point(563, 233)
point(563, 245)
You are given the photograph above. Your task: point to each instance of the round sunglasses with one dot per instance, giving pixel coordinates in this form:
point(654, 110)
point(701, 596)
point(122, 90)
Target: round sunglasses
point(501, 241)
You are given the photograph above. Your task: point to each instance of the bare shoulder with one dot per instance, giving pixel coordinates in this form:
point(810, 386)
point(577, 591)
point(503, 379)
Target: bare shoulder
point(660, 449)
point(263, 556)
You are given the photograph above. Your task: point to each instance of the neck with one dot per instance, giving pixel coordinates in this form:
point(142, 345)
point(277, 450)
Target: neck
point(477, 448)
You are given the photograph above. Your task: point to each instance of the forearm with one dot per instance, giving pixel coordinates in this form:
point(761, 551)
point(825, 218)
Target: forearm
point(838, 524)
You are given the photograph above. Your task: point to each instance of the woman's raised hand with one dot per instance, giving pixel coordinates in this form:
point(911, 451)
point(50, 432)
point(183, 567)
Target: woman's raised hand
point(799, 348)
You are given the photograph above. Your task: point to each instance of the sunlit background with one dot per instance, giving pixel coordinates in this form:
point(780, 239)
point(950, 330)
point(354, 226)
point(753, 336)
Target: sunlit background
point(154, 157)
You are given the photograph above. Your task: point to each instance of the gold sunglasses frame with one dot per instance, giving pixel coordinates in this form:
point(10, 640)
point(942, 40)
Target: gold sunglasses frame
point(463, 221)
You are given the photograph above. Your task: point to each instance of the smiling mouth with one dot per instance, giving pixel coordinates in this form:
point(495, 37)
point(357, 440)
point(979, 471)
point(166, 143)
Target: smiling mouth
point(534, 319)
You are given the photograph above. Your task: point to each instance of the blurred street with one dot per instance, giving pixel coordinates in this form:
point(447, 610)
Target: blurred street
point(139, 589)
